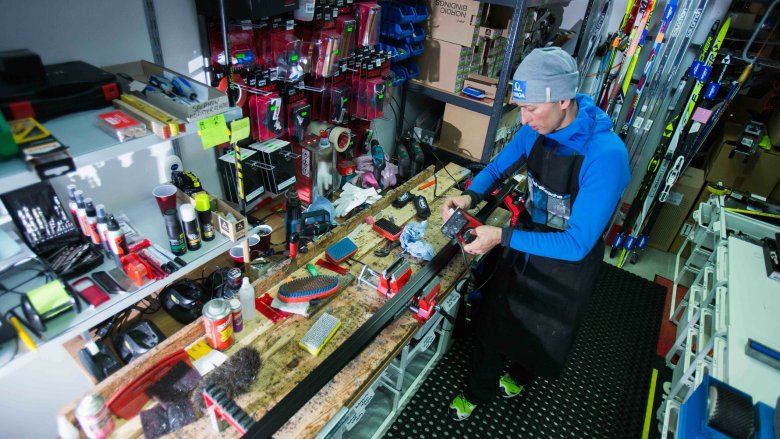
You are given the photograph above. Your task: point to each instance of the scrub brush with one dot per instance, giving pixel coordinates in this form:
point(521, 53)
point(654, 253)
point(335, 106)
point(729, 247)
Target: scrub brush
point(308, 288)
point(341, 251)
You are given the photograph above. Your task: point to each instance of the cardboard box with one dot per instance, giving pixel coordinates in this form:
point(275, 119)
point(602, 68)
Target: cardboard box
point(444, 65)
point(453, 21)
point(133, 77)
point(233, 228)
point(676, 209)
point(758, 175)
point(463, 131)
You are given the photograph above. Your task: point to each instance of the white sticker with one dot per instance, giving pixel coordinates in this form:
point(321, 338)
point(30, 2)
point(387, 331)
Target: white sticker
point(309, 8)
point(648, 124)
point(353, 419)
point(428, 340)
point(674, 198)
point(364, 400)
point(638, 122)
point(137, 86)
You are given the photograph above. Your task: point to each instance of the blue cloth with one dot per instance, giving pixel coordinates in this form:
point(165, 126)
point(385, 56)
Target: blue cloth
point(603, 177)
point(412, 242)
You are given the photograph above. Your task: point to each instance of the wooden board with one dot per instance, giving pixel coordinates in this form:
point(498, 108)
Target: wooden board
point(353, 305)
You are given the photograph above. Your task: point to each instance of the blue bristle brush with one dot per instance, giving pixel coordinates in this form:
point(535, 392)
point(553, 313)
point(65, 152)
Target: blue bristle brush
point(341, 251)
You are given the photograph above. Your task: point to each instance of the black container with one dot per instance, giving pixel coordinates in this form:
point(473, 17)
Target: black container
point(175, 232)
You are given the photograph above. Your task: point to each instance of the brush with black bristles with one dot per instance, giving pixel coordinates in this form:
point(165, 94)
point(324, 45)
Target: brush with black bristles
point(307, 288)
point(233, 377)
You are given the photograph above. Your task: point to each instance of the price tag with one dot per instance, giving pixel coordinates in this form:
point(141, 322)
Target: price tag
point(213, 131)
point(239, 130)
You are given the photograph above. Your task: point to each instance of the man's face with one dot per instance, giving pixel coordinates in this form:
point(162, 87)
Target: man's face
point(544, 117)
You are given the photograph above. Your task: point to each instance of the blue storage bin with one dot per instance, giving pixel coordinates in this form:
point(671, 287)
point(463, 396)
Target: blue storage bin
point(398, 12)
point(398, 31)
point(420, 13)
point(398, 75)
point(416, 48)
point(412, 70)
point(418, 36)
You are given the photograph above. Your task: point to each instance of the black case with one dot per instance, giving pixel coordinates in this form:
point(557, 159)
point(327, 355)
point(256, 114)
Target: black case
point(68, 87)
point(46, 226)
point(245, 9)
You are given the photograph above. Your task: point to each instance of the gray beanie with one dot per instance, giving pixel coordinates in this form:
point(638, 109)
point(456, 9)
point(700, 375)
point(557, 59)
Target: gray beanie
point(547, 74)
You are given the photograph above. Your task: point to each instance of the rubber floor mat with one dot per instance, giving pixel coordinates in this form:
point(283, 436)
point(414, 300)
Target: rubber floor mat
point(602, 392)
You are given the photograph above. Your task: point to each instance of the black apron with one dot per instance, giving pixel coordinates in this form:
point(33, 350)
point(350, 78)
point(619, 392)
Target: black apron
point(534, 304)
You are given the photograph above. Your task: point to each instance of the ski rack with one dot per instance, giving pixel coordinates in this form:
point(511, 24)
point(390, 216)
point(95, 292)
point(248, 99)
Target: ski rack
point(335, 362)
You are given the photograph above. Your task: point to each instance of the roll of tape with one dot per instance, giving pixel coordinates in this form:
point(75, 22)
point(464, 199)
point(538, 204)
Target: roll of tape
point(339, 138)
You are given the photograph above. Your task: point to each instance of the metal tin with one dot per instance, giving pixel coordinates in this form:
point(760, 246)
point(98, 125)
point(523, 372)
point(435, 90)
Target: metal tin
point(94, 417)
point(235, 309)
point(218, 324)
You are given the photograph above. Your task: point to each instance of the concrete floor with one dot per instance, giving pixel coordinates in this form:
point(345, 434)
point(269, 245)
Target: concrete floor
point(651, 262)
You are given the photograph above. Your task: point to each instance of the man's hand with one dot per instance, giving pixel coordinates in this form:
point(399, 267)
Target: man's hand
point(487, 238)
point(462, 201)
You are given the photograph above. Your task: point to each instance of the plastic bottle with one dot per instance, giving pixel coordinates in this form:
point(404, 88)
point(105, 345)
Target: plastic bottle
point(102, 226)
point(89, 210)
point(116, 240)
point(175, 234)
point(72, 204)
point(324, 173)
point(305, 10)
point(81, 212)
point(247, 296)
point(189, 220)
point(203, 207)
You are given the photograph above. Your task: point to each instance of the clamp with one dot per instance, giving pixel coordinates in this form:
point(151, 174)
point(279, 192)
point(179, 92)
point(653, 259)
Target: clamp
point(394, 277)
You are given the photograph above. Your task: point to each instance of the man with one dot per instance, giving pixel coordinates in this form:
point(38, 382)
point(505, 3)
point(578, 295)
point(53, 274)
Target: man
point(540, 278)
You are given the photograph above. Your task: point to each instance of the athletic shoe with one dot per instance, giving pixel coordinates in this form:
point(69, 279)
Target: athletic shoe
point(461, 408)
point(508, 387)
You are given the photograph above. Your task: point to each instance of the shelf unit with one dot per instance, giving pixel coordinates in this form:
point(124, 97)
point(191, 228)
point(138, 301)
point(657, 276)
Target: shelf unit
point(729, 300)
point(145, 217)
point(497, 108)
point(88, 144)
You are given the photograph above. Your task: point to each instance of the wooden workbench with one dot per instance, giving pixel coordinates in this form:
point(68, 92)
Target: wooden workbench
point(354, 305)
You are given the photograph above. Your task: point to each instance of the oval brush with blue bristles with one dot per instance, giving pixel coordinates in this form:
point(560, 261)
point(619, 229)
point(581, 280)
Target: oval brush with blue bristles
point(308, 288)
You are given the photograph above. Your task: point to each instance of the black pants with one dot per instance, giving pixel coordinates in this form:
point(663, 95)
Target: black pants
point(485, 371)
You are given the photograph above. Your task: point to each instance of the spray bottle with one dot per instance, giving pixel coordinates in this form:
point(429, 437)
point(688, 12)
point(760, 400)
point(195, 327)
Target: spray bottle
point(102, 226)
point(72, 204)
point(247, 296)
point(116, 240)
point(81, 212)
point(91, 213)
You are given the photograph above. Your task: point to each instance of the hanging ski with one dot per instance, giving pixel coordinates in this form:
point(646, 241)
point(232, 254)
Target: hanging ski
point(623, 79)
point(659, 41)
point(584, 62)
point(686, 84)
point(699, 74)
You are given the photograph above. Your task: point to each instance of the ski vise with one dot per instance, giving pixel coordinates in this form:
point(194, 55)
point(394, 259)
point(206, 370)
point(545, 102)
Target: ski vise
point(426, 300)
point(394, 277)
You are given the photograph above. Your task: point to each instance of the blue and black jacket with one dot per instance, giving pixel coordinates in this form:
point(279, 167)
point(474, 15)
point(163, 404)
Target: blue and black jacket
point(603, 176)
